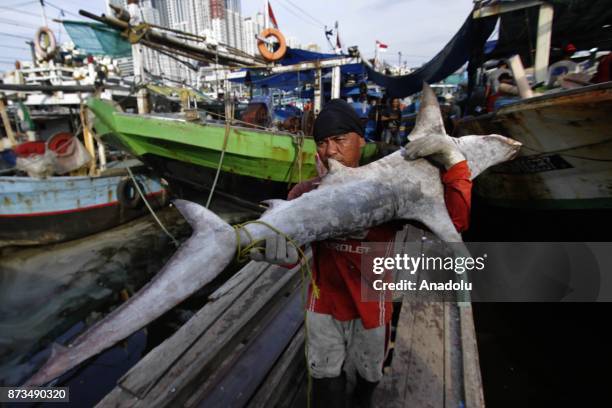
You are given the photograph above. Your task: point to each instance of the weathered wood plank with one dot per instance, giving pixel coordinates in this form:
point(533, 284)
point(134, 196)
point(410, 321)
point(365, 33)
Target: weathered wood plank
point(237, 386)
point(453, 376)
point(425, 378)
point(232, 357)
point(390, 392)
point(152, 367)
point(289, 366)
point(472, 379)
point(416, 378)
point(200, 360)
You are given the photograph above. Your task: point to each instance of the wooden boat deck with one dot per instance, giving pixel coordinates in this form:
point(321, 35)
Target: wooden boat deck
point(246, 348)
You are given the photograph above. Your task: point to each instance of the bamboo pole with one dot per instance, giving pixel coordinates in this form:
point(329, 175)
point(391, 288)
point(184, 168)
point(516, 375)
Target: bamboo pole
point(89, 142)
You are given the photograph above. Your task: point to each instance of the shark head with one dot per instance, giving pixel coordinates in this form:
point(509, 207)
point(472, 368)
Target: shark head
point(55, 366)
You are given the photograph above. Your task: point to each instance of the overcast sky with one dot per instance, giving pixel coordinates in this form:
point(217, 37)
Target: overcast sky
point(417, 28)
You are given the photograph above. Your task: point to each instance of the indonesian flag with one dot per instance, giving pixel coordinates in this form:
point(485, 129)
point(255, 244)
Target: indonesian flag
point(271, 15)
point(381, 47)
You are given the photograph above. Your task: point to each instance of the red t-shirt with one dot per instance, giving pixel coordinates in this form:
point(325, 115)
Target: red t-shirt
point(337, 262)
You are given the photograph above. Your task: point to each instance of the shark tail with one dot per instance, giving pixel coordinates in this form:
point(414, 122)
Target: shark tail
point(200, 259)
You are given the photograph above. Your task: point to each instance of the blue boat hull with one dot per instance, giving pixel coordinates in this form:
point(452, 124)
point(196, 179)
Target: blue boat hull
point(35, 212)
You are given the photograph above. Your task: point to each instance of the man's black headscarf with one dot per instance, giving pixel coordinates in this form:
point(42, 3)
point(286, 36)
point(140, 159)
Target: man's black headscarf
point(337, 118)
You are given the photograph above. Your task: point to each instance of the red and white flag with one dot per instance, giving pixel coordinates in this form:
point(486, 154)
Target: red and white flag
point(381, 47)
point(271, 16)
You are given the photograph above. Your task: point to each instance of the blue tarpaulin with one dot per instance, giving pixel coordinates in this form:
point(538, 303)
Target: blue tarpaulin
point(470, 38)
point(295, 56)
point(287, 81)
point(291, 80)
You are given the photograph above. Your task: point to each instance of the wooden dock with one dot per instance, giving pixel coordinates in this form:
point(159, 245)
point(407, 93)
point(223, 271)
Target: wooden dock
point(245, 348)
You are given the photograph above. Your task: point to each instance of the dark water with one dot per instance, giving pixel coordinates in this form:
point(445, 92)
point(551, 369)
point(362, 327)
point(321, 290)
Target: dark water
point(53, 294)
point(543, 354)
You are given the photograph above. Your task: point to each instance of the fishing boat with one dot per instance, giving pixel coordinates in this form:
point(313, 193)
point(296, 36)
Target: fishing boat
point(240, 160)
point(56, 209)
point(254, 164)
point(70, 190)
point(566, 159)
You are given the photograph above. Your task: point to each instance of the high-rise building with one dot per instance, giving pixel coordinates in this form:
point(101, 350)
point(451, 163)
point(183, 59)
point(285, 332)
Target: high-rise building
point(220, 19)
point(235, 33)
point(252, 26)
point(160, 6)
point(153, 61)
point(233, 5)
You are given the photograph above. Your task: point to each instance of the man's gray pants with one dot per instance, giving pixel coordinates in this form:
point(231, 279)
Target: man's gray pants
point(332, 344)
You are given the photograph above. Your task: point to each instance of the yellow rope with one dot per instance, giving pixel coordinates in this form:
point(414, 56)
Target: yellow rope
point(242, 254)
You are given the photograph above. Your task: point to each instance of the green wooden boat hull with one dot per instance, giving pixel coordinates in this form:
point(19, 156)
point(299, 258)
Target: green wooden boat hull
point(190, 152)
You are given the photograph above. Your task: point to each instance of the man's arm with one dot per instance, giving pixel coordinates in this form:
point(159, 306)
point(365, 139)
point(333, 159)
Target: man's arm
point(458, 194)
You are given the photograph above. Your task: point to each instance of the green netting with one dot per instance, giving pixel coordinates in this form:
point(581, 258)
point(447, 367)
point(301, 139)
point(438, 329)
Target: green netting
point(97, 39)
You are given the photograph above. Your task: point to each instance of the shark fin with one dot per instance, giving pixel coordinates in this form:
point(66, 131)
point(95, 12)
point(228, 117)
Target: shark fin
point(429, 119)
point(199, 217)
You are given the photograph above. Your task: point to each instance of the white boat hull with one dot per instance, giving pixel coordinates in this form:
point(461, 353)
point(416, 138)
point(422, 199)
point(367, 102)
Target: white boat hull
point(566, 159)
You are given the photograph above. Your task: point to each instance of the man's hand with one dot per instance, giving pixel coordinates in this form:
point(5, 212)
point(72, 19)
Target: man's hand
point(438, 148)
point(278, 251)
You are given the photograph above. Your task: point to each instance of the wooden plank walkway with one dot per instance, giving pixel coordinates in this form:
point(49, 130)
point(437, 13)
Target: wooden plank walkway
point(173, 372)
point(435, 360)
point(435, 355)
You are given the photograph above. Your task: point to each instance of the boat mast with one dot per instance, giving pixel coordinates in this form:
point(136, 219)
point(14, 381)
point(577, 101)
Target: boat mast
point(266, 14)
point(137, 51)
point(545, 21)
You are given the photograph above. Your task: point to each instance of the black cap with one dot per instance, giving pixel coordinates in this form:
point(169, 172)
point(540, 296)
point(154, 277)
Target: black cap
point(337, 118)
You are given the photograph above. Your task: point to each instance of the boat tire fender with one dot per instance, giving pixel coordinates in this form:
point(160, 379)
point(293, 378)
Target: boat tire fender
point(127, 194)
point(282, 45)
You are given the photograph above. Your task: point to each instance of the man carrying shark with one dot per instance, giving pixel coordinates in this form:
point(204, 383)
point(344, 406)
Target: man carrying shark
point(343, 330)
point(399, 186)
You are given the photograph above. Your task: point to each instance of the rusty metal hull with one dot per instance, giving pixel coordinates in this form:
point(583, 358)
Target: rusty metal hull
point(566, 158)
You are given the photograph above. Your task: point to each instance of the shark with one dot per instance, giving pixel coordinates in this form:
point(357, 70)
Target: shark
point(347, 200)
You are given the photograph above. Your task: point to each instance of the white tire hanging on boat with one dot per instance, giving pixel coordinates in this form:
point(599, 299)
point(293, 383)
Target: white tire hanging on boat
point(45, 44)
point(263, 44)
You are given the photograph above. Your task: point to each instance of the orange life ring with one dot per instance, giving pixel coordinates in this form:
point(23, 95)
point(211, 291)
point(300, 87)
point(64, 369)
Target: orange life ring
point(45, 44)
point(263, 47)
